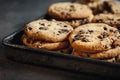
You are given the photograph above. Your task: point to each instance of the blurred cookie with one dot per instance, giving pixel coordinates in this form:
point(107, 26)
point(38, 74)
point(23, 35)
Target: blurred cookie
point(50, 31)
point(44, 45)
point(98, 7)
point(93, 37)
point(113, 6)
point(110, 19)
point(68, 10)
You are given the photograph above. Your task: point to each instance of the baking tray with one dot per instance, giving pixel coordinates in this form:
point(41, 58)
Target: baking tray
point(15, 50)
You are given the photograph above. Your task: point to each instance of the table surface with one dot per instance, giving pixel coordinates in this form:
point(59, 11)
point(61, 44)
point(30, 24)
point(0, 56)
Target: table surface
point(14, 13)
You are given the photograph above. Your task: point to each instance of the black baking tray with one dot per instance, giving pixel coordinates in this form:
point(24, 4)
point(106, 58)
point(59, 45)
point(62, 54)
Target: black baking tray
point(15, 50)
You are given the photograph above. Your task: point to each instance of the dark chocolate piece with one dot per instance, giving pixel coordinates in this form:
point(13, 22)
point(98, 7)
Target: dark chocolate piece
point(63, 31)
point(29, 28)
point(42, 28)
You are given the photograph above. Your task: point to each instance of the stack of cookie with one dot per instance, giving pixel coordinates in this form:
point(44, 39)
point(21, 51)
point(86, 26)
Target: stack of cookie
point(96, 40)
point(82, 25)
point(48, 35)
point(74, 14)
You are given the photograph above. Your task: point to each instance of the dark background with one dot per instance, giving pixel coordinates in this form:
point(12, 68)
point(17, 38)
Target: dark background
point(13, 14)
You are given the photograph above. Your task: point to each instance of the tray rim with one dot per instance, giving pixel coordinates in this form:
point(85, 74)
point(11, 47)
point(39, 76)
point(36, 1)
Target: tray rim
point(6, 42)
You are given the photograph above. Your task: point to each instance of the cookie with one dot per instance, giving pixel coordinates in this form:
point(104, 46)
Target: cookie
point(68, 10)
point(98, 7)
point(44, 45)
point(50, 31)
point(87, 55)
point(101, 55)
point(113, 6)
point(107, 54)
point(93, 37)
point(110, 19)
point(111, 58)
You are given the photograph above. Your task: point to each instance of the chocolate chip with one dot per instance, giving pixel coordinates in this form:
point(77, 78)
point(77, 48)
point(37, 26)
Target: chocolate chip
point(42, 28)
point(118, 27)
point(65, 25)
point(37, 32)
point(73, 40)
point(43, 24)
point(29, 28)
point(63, 31)
point(118, 19)
point(100, 37)
point(106, 46)
point(70, 10)
point(77, 37)
point(104, 35)
point(49, 25)
point(62, 13)
point(81, 32)
point(111, 30)
point(58, 34)
point(72, 6)
point(105, 28)
point(90, 31)
point(85, 40)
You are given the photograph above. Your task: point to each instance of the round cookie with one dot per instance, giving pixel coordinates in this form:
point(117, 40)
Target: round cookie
point(68, 10)
point(43, 45)
point(110, 19)
point(93, 37)
point(50, 31)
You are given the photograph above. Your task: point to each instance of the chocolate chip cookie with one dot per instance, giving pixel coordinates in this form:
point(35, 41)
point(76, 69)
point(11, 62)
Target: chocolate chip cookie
point(44, 45)
point(50, 31)
point(68, 10)
point(110, 19)
point(113, 6)
point(93, 37)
